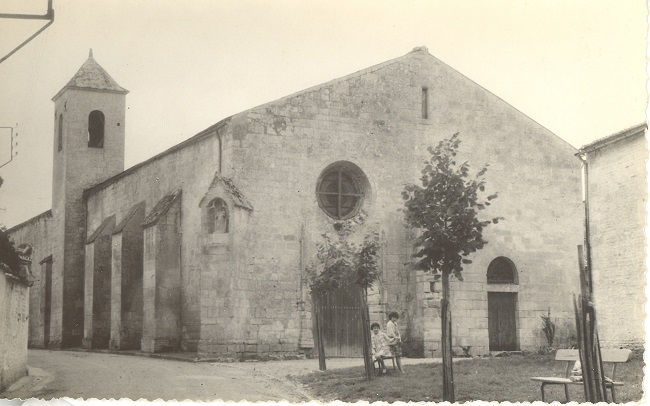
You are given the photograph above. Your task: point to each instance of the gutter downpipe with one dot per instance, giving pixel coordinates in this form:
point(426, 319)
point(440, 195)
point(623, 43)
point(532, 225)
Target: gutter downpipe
point(587, 233)
point(220, 148)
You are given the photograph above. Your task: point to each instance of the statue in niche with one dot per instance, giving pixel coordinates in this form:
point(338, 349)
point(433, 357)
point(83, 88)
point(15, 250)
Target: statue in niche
point(218, 216)
point(25, 254)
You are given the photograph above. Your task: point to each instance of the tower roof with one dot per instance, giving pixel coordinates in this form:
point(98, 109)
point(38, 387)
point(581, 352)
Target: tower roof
point(92, 76)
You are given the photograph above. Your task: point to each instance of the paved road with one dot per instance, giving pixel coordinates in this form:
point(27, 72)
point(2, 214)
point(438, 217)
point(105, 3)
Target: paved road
point(92, 375)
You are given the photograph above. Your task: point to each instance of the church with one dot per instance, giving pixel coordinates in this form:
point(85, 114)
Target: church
point(204, 247)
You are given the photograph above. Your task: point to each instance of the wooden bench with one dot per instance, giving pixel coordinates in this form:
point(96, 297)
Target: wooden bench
point(375, 363)
point(610, 356)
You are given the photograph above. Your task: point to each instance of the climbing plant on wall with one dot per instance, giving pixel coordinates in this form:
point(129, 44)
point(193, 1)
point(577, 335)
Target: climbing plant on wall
point(444, 211)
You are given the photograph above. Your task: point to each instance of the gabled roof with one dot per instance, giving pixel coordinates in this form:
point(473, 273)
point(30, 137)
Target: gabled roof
point(208, 132)
point(92, 76)
point(233, 192)
point(601, 142)
point(44, 215)
point(422, 50)
point(161, 208)
point(416, 52)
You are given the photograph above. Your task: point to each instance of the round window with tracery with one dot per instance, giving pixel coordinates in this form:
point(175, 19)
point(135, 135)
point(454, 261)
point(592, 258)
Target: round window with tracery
point(340, 190)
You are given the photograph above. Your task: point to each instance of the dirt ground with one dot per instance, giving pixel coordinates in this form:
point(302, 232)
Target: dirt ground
point(75, 374)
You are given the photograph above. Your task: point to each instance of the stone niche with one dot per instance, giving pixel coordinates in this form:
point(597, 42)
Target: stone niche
point(224, 215)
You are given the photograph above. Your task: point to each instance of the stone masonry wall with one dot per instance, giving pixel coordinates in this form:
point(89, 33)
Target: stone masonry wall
point(126, 284)
point(78, 167)
point(101, 295)
point(276, 153)
point(617, 214)
point(38, 232)
point(255, 301)
point(168, 279)
point(14, 316)
point(190, 169)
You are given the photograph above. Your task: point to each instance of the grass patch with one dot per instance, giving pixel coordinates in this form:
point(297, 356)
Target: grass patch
point(487, 379)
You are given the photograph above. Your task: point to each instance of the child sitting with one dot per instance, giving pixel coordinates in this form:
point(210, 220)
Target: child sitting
point(379, 346)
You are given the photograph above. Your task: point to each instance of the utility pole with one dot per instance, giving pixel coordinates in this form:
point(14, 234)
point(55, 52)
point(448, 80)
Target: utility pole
point(14, 145)
point(47, 16)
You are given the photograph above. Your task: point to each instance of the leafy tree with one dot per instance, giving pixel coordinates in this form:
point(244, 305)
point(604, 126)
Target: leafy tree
point(342, 263)
point(8, 254)
point(444, 210)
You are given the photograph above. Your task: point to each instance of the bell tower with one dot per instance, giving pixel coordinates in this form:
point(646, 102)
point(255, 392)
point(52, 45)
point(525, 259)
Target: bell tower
point(88, 148)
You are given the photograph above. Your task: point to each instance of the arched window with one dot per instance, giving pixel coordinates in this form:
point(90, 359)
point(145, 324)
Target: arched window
point(96, 129)
point(60, 132)
point(217, 216)
point(340, 190)
point(502, 270)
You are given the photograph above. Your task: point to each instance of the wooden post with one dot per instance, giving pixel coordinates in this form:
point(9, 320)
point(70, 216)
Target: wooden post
point(367, 351)
point(447, 362)
point(589, 345)
point(319, 335)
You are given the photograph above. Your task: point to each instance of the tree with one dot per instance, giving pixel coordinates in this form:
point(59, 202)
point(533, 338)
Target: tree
point(339, 263)
point(444, 210)
point(8, 254)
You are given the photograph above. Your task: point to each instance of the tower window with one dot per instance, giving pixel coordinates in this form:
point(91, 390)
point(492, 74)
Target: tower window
point(96, 129)
point(60, 132)
point(425, 102)
point(217, 216)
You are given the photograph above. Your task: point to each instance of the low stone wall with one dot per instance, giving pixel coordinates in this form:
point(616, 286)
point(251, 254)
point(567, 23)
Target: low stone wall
point(14, 320)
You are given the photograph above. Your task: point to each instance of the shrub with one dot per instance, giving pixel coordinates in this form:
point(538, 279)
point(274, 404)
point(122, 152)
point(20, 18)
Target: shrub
point(548, 328)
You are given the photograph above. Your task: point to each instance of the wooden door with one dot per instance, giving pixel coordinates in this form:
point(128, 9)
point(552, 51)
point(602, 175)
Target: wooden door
point(502, 322)
point(340, 313)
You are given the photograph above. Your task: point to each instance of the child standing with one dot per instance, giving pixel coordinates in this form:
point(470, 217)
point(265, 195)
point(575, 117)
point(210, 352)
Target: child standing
point(395, 339)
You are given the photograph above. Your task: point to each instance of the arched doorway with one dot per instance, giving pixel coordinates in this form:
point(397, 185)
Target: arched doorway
point(502, 282)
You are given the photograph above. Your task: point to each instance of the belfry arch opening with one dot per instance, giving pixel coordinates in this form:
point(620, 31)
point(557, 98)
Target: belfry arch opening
point(96, 129)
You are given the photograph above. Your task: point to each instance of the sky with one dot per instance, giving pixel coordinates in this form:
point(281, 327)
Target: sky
point(578, 68)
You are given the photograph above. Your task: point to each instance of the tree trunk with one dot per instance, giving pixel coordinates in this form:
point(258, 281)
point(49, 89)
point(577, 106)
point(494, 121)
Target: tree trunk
point(367, 352)
point(319, 336)
point(447, 369)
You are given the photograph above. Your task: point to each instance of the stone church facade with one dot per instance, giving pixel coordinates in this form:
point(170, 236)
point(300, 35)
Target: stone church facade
point(203, 247)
